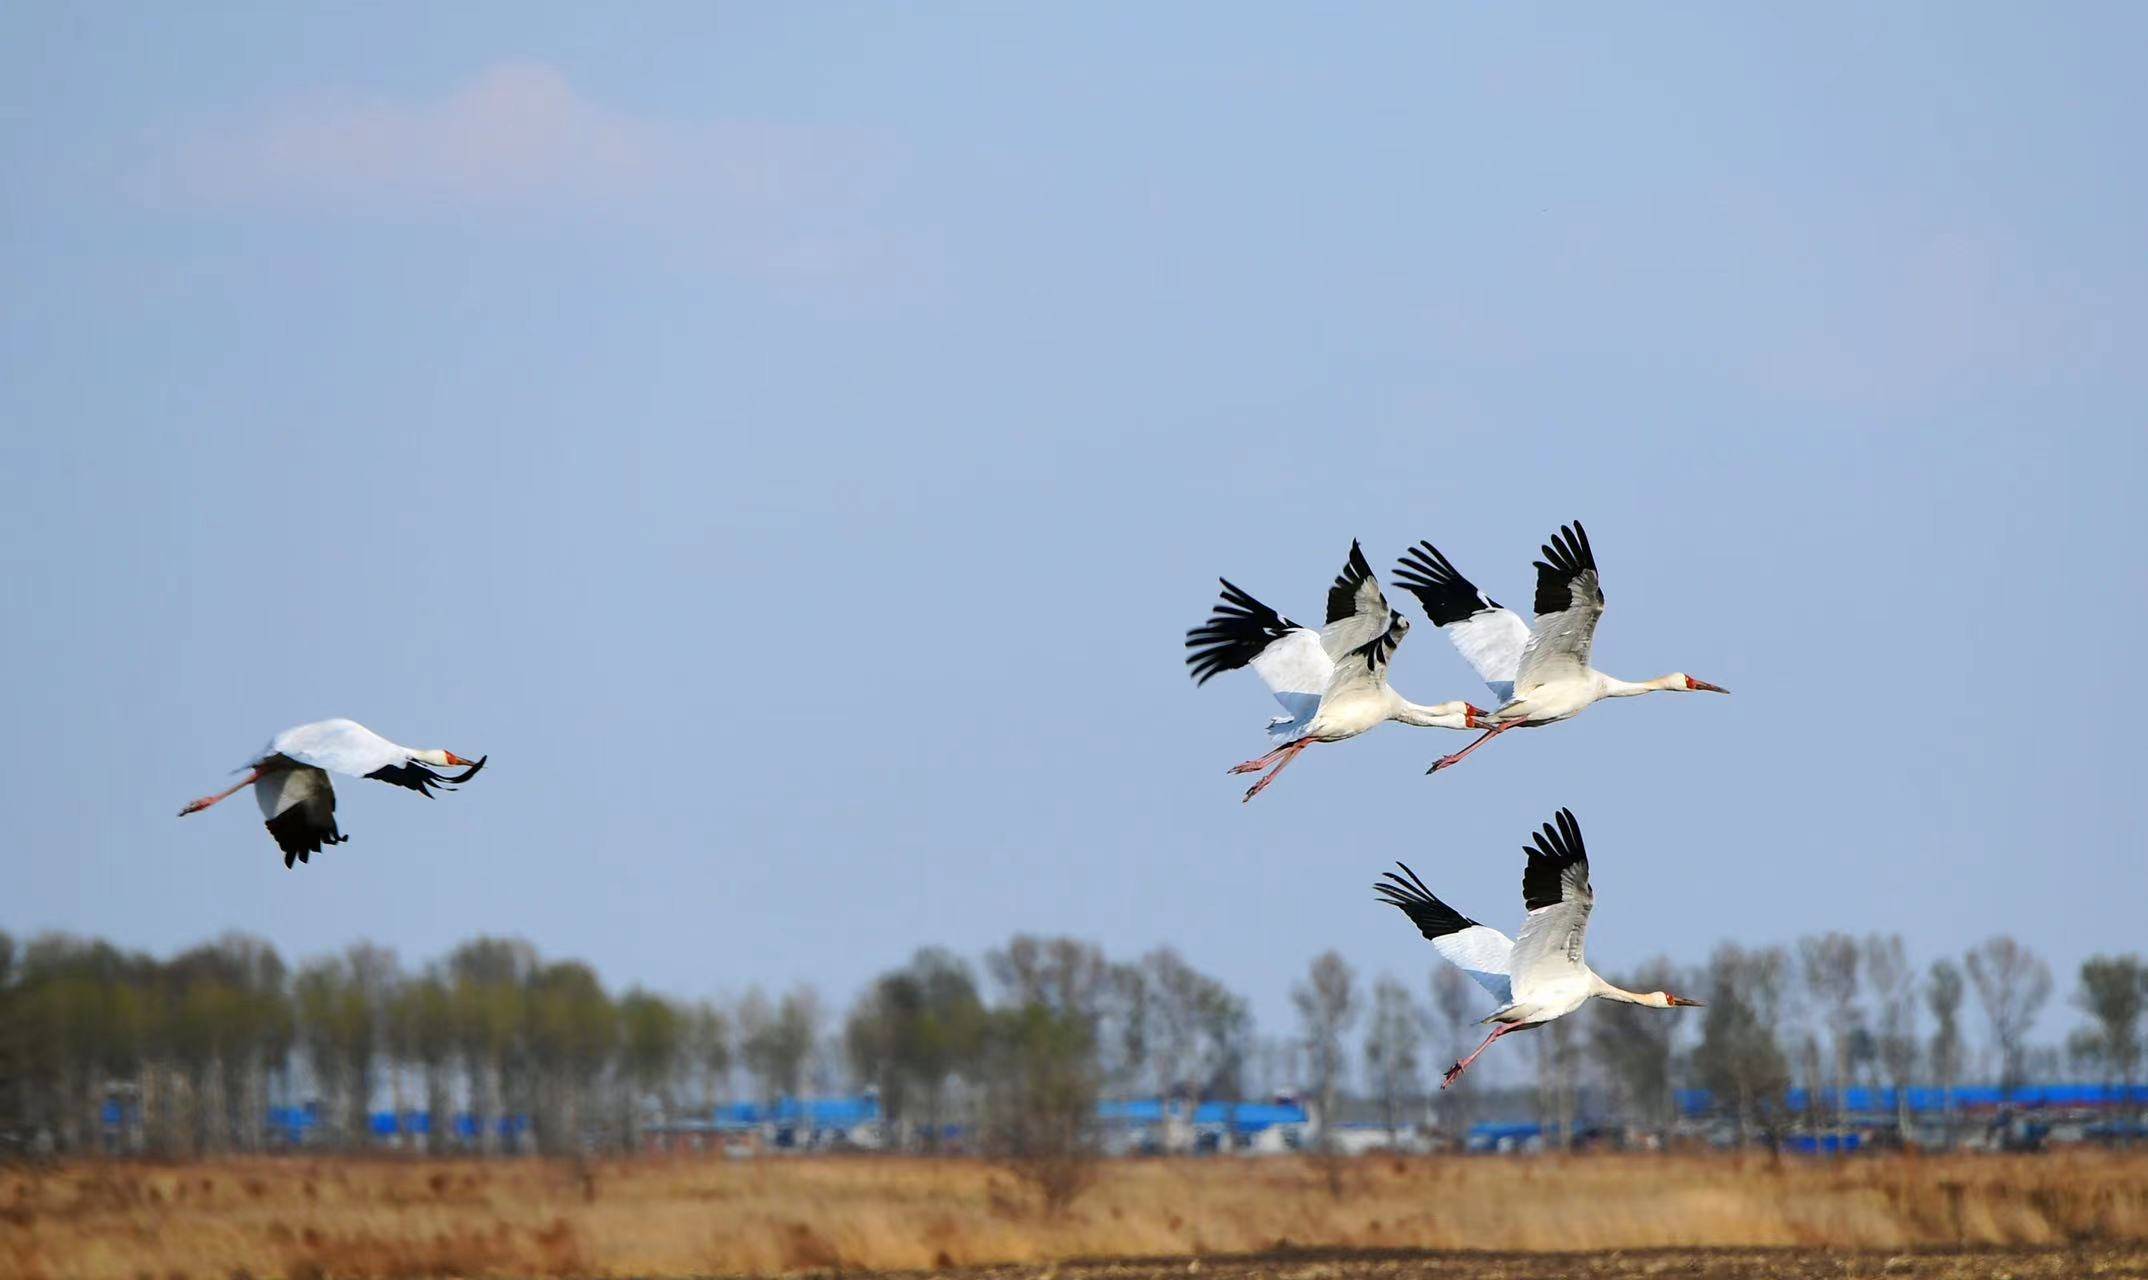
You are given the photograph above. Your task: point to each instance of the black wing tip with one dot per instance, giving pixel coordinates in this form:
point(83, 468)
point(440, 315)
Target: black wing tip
point(421, 779)
point(1426, 559)
point(299, 838)
point(1433, 917)
point(1238, 629)
point(1552, 850)
point(1342, 597)
point(1356, 568)
point(1566, 557)
point(1558, 840)
point(1569, 550)
point(1447, 596)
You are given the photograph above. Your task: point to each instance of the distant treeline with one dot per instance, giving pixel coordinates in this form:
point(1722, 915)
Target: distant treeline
point(197, 1048)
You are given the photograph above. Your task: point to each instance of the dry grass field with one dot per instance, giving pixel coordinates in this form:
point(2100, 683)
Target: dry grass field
point(2075, 1214)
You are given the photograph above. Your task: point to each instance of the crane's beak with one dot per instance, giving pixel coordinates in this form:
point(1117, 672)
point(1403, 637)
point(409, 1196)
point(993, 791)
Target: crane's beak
point(1473, 718)
point(1682, 1002)
point(475, 765)
point(1702, 686)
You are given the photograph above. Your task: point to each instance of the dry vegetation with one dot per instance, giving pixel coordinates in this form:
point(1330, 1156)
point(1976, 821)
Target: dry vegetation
point(387, 1218)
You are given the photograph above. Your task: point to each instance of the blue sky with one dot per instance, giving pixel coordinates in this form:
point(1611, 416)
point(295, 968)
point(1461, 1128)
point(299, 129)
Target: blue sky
point(793, 441)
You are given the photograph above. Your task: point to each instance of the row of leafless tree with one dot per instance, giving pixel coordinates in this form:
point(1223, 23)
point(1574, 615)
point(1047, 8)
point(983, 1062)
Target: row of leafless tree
point(104, 1049)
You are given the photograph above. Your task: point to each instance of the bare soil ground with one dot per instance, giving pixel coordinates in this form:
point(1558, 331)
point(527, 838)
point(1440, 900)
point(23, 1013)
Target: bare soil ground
point(2066, 1263)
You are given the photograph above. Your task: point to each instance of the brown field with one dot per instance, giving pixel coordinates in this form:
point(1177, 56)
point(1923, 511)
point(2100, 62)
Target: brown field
point(2029, 1216)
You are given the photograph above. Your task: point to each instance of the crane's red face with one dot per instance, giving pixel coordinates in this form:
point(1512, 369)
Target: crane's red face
point(456, 761)
point(1681, 1001)
point(1471, 715)
point(1702, 686)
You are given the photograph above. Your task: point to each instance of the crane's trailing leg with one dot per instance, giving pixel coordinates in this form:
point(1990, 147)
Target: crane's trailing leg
point(1445, 762)
point(196, 806)
point(1255, 766)
point(1454, 1072)
point(1288, 754)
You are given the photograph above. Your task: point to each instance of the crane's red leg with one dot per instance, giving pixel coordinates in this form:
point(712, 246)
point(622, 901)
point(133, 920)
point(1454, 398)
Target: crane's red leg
point(1454, 1072)
point(1448, 761)
point(196, 806)
point(1289, 754)
point(1255, 766)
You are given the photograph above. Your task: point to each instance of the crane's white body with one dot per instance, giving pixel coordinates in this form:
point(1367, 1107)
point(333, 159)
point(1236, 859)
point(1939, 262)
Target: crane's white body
point(346, 747)
point(1332, 683)
point(1543, 974)
point(1541, 672)
point(1328, 703)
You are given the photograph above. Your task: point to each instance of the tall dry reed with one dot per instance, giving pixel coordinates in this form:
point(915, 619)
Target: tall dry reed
point(265, 1218)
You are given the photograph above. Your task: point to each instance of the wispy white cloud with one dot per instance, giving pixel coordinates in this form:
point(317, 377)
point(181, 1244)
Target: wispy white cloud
point(518, 140)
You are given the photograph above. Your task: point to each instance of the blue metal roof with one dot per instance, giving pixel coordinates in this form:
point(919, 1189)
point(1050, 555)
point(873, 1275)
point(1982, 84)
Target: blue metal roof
point(1242, 1117)
point(1925, 1099)
point(820, 1113)
point(1249, 1117)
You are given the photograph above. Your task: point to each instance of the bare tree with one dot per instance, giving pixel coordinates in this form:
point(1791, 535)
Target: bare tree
point(424, 1017)
point(1894, 995)
point(2113, 991)
point(1226, 1045)
point(571, 1030)
point(2011, 984)
point(1040, 1098)
point(1829, 965)
point(342, 1011)
point(1177, 992)
point(1739, 1058)
point(1943, 996)
point(1327, 1005)
point(487, 993)
point(652, 1042)
point(708, 1055)
point(1393, 1040)
point(1065, 975)
point(911, 1033)
point(778, 1041)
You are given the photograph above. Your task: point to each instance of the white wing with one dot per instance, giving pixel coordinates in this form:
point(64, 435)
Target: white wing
point(340, 746)
point(1489, 635)
point(1569, 600)
point(300, 805)
point(286, 789)
point(1289, 659)
point(1483, 953)
point(1296, 670)
point(1555, 889)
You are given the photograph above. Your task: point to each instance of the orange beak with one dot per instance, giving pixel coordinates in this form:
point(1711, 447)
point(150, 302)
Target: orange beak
point(1681, 1001)
point(1471, 716)
point(1702, 686)
point(454, 759)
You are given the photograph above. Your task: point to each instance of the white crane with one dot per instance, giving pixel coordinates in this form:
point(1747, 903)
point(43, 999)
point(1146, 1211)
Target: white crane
point(1333, 682)
point(1541, 674)
point(1541, 975)
point(290, 779)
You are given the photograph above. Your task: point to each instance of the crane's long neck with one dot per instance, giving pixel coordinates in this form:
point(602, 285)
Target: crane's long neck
point(1445, 715)
point(1617, 688)
point(1605, 991)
